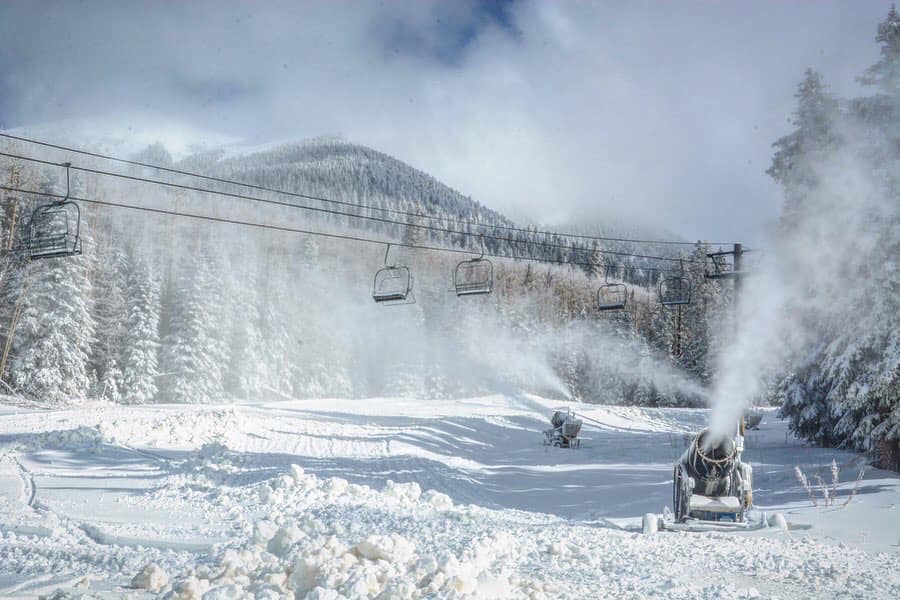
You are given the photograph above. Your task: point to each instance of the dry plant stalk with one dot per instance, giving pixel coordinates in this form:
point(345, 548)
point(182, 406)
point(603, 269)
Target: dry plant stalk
point(855, 487)
point(835, 478)
point(805, 483)
point(826, 497)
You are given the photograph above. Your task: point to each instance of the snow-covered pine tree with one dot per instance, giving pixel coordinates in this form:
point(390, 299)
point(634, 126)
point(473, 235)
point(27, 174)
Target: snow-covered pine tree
point(843, 390)
point(595, 266)
point(193, 360)
point(109, 312)
point(247, 372)
point(140, 352)
point(885, 74)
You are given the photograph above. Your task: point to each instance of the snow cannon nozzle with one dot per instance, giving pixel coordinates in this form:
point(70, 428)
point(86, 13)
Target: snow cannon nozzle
point(711, 457)
point(715, 447)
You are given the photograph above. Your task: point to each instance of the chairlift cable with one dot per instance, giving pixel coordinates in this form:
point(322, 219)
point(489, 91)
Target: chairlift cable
point(339, 213)
point(358, 205)
point(282, 228)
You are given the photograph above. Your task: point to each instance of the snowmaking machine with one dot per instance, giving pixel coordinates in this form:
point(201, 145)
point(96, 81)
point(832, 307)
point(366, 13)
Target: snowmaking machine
point(566, 426)
point(711, 483)
point(753, 419)
point(712, 487)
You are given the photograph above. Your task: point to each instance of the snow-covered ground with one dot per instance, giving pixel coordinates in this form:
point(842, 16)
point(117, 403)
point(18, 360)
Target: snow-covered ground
point(409, 498)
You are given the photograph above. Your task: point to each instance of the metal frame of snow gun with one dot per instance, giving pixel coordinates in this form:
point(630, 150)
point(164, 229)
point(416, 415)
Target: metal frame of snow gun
point(566, 427)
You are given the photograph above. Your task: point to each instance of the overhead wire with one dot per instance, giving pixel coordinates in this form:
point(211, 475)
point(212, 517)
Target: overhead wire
point(181, 186)
point(354, 204)
point(283, 228)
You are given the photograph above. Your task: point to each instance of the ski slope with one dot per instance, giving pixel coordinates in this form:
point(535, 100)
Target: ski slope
point(409, 498)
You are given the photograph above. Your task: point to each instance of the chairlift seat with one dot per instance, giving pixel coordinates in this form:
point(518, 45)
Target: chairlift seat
point(54, 231)
point(675, 291)
point(612, 296)
point(473, 277)
point(392, 284)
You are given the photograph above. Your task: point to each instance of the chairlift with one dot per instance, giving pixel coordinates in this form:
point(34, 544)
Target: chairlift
point(393, 284)
point(55, 228)
point(720, 266)
point(474, 276)
point(611, 296)
point(675, 290)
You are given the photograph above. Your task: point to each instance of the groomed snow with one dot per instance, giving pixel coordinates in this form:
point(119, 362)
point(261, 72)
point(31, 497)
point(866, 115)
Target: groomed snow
point(403, 498)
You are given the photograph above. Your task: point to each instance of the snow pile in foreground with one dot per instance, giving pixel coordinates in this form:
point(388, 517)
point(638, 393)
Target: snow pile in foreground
point(292, 554)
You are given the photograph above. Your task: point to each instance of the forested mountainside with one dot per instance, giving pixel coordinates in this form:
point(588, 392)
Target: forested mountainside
point(164, 308)
point(336, 169)
point(839, 238)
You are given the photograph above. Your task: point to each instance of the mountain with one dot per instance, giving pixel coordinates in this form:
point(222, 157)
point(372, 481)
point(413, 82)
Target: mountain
point(349, 173)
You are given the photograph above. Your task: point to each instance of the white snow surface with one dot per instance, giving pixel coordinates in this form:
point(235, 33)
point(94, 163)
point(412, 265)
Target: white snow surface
point(401, 498)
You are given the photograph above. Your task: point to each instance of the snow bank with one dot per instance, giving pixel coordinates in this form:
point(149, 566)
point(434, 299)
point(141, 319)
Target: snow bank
point(300, 554)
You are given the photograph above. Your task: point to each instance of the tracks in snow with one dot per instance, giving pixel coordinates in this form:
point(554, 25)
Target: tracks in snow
point(27, 482)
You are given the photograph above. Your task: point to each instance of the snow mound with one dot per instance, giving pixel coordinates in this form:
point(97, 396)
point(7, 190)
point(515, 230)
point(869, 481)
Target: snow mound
point(151, 578)
point(301, 554)
point(80, 438)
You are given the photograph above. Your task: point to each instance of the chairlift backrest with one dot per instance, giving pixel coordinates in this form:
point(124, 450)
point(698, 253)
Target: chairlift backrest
point(473, 277)
point(54, 230)
point(675, 291)
point(612, 296)
point(55, 227)
point(392, 284)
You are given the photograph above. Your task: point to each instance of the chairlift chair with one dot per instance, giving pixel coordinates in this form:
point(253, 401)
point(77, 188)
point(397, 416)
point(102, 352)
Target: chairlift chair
point(55, 228)
point(675, 290)
point(393, 284)
point(611, 296)
point(720, 266)
point(474, 276)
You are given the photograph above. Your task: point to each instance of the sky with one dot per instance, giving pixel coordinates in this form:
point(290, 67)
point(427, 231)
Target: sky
point(653, 113)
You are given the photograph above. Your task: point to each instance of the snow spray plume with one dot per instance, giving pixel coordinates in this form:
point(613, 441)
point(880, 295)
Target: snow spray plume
point(618, 367)
point(816, 274)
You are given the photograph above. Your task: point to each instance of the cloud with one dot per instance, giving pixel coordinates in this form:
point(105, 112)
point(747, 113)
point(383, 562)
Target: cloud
point(656, 112)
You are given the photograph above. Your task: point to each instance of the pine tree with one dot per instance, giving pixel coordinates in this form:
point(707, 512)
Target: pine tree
point(247, 374)
point(140, 353)
point(815, 132)
point(842, 390)
point(109, 311)
point(193, 358)
point(885, 74)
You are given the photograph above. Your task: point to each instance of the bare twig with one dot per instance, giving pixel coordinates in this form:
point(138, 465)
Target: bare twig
point(805, 483)
point(855, 487)
point(825, 495)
